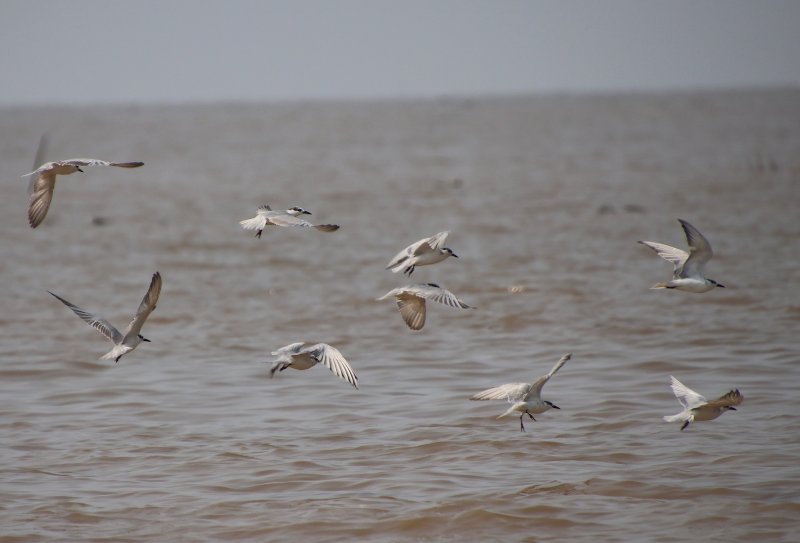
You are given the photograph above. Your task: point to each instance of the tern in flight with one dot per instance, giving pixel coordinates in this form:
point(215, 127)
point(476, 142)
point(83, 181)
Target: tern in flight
point(44, 182)
point(126, 341)
point(688, 272)
point(525, 398)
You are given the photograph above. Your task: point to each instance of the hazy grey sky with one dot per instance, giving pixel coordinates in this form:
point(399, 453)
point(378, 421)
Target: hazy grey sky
point(83, 51)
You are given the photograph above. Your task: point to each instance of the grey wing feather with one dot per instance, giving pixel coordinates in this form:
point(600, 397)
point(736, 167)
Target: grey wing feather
point(147, 305)
point(333, 359)
point(289, 220)
point(292, 348)
point(671, 254)
point(91, 162)
point(127, 164)
point(42, 195)
point(734, 397)
point(412, 309)
point(95, 321)
point(687, 397)
point(511, 392)
point(443, 296)
point(536, 388)
point(326, 227)
point(700, 249)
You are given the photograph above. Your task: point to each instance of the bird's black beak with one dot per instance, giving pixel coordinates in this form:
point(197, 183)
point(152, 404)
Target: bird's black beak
point(554, 406)
point(733, 409)
point(455, 255)
point(78, 168)
point(720, 285)
point(147, 340)
point(306, 212)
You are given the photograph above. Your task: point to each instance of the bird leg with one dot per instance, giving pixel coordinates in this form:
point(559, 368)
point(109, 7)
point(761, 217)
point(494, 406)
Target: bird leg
point(258, 234)
point(522, 426)
point(685, 424)
point(409, 270)
point(116, 360)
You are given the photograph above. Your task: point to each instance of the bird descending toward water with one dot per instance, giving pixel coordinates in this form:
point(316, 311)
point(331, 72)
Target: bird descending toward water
point(688, 272)
point(266, 217)
point(131, 338)
point(299, 357)
point(697, 408)
point(45, 182)
point(421, 253)
point(411, 301)
point(524, 397)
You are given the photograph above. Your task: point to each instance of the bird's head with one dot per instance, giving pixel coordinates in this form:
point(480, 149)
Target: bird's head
point(720, 285)
point(141, 337)
point(448, 251)
point(297, 211)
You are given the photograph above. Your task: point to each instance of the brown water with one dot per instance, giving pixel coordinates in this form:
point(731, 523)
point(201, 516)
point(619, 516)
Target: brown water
point(188, 439)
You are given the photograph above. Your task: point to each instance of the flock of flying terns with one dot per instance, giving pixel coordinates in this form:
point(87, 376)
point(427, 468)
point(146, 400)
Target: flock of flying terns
point(688, 275)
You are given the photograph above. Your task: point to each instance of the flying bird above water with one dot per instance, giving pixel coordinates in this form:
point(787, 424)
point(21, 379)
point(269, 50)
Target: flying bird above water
point(688, 272)
point(289, 218)
point(131, 338)
point(299, 357)
point(422, 253)
point(411, 301)
point(524, 397)
point(697, 408)
point(45, 182)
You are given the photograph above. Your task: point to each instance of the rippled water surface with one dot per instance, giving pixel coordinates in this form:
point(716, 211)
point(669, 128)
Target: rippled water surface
point(188, 439)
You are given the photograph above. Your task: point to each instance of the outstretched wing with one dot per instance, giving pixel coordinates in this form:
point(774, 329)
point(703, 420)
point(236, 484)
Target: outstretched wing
point(326, 227)
point(412, 309)
point(536, 388)
point(41, 197)
point(729, 399)
point(284, 219)
point(292, 348)
point(699, 250)
point(146, 307)
point(332, 359)
point(512, 392)
point(688, 398)
point(92, 162)
point(95, 321)
point(671, 254)
point(440, 295)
